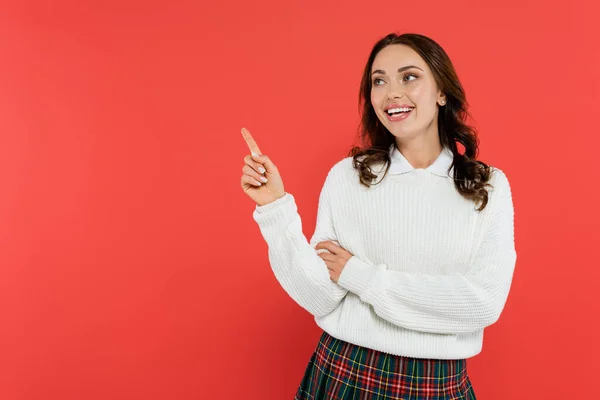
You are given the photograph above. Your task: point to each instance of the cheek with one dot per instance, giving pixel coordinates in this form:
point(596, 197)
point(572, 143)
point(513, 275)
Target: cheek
point(377, 98)
point(425, 94)
point(424, 98)
point(415, 93)
point(374, 99)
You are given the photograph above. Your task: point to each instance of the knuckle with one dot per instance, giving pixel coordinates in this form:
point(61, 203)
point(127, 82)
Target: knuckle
point(248, 170)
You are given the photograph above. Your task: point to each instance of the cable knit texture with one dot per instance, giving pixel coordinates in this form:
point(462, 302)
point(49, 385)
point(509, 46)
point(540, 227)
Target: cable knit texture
point(428, 271)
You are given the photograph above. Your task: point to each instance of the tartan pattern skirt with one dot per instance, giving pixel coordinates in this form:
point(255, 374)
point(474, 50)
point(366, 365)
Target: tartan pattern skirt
point(340, 370)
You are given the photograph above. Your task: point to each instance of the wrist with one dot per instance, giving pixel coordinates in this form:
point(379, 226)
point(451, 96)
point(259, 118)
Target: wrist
point(266, 206)
point(271, 201)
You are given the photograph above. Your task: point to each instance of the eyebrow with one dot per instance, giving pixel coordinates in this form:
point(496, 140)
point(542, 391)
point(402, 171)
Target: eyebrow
point(380, 71)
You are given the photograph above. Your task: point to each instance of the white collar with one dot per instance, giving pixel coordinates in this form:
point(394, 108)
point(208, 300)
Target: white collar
point(400, 165)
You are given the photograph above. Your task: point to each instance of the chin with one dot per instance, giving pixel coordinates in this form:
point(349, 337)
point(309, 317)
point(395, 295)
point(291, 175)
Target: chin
point(400, 133)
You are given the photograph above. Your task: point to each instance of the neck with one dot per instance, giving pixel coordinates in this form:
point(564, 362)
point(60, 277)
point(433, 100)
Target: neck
point(419, 151)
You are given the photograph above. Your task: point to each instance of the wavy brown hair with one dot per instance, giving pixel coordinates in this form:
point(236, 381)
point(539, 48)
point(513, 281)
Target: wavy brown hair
point(471, 176)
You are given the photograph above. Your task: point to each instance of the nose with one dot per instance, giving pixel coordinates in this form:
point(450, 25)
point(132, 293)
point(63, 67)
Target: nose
point(394, 91)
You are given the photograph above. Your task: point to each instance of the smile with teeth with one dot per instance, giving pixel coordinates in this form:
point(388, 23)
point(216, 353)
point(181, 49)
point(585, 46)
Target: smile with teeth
point(394, 111)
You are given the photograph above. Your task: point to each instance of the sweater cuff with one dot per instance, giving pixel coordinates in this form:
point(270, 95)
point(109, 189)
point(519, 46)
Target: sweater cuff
point(274, 204)
point(274, 217)
point(356, 275)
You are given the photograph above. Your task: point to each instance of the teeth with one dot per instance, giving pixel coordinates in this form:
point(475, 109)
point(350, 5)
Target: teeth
point(397, 110)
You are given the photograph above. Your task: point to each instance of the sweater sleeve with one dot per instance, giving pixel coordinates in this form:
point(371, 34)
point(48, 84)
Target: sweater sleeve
point(295, 262)
point(452, 303)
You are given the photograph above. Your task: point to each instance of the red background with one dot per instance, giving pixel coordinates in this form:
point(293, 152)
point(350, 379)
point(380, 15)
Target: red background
point(130, 265)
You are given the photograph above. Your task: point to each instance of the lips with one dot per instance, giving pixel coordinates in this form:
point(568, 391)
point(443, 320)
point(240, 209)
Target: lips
point(398, 116)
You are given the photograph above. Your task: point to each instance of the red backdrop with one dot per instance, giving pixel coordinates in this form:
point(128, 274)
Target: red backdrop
point(130, 265)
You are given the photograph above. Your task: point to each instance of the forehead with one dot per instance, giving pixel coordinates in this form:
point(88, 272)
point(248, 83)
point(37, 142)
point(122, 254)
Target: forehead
point(395, 56)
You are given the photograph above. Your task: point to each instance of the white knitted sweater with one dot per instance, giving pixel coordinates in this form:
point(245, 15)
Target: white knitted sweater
point(428, 271)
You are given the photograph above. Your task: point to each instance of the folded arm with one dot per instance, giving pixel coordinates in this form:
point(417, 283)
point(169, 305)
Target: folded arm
point(451, 303)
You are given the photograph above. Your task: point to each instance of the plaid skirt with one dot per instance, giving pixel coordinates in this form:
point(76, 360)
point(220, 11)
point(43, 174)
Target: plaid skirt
point(340, 370)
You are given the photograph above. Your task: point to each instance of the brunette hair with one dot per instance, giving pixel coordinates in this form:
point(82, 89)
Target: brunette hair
point(471, 176)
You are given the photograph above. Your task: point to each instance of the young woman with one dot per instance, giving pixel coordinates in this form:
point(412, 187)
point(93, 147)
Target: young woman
point(413, 252)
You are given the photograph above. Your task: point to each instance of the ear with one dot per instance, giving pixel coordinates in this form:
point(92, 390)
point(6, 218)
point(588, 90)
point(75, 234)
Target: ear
point(442, 100)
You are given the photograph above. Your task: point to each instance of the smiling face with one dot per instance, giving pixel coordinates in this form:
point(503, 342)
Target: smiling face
point(402, 82)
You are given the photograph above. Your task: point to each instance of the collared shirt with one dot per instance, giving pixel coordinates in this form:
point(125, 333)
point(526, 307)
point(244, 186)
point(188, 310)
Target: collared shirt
point(400, 165)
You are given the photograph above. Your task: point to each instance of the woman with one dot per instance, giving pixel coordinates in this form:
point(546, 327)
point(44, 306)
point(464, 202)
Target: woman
point(413, 252)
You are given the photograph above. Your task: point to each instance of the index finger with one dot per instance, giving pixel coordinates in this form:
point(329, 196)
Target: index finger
point(250, 141)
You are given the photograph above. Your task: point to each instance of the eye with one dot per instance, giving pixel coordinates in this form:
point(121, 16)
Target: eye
point(408, 76)
point(377, 80)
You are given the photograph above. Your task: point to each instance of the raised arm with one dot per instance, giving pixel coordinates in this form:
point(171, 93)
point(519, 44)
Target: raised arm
point(295, 262)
